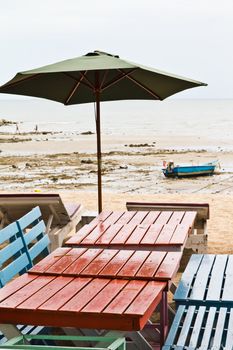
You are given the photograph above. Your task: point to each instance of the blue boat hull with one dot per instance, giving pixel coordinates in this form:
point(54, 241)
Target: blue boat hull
point(184, 171)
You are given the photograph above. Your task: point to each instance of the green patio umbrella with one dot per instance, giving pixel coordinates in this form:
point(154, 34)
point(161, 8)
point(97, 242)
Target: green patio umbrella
point(95, 77)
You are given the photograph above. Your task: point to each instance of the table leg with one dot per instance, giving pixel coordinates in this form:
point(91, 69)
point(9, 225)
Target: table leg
point(163, 318)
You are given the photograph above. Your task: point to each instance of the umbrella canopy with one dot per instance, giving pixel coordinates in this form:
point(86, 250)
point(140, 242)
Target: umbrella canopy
point(95, 77)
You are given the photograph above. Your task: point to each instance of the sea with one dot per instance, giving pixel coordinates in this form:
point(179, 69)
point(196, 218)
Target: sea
point(208, 119)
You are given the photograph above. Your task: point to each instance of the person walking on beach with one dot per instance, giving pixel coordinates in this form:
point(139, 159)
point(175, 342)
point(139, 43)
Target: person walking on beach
point(36, 128)
point(17, 129)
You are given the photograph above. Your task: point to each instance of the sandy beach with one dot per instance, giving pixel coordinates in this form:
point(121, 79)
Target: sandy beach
point(131, 171)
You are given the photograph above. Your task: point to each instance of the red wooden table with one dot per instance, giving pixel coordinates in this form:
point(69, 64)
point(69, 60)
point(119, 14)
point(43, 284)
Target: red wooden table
point(92, 288)
point(150, 230)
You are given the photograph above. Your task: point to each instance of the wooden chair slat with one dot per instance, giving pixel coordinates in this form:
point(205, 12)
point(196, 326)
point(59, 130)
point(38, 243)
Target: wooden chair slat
point(217, 278)
point(229, 337)
point(196, 334)
point(187, 278)
point(219, 336)
point(182, 340)
point(205, 341)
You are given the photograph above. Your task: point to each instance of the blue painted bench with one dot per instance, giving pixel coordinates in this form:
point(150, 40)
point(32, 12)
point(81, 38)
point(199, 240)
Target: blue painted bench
point(201, 327)
point(21, 243)
point(207, 280)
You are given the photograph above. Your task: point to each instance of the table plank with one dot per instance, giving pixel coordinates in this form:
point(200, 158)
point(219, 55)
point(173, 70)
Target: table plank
point(114, 263)
point(152, 234)
point(128, 230)
point(65, 261)
point(74, 285)
point(109, 234)
point(151, 217)
point(105, 296)
point(50, 259)
point(99, 262)
point(25, 292)
point(133, 264)
point(83, 261)
point(122, 301)
point(44, 293)
point(151, 264)
point(138, 234)
point(169, 266)
point(84, 303)
point(123, 235)
point(82, 298)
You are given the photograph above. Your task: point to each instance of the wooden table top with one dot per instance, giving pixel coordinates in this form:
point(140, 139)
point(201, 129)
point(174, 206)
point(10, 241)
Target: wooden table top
point(152, 230)
point(110, 263)
point(207, 280)
point(82, 302)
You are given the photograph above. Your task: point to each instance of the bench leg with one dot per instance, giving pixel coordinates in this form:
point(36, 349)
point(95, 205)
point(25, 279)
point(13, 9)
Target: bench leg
point(163, 318)
point(10, 331)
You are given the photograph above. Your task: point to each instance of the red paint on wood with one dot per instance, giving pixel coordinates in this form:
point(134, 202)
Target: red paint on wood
point(134, 263)
point(125, 297)
point(169, 266)
point(99, 262)
point(152, 234)
point(82, 262)
point(109, 234)
point(65, 294)
point(25, 292)
point(123, 235)
point(15, 285)
point(151, 265)
point(49, 260)
point(45, 293)
point(105, 296)
point(81, 299)
point(151, 217)
point(119, 260)
point(65, 261)
point(138, 234)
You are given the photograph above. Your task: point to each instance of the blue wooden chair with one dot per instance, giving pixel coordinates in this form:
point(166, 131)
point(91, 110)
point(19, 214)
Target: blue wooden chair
point(13, 256)
point(207, 280)
point(21, 243)
point(32, 230)
point(201, 327)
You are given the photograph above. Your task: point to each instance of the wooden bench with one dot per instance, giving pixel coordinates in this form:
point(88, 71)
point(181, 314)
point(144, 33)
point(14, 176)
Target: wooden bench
point(81, 343)
point(197, 241)
point(21, 243)
point(60, 218)
point(201, 327)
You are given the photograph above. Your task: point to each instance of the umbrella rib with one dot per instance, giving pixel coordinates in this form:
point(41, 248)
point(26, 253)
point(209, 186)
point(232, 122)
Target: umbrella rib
point(117, 78)
point(82, 82)
point(22, 80)
point(74, 89)
point(157, 97)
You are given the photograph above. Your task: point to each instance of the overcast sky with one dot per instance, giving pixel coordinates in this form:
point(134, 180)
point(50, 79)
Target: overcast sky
point(193, 38)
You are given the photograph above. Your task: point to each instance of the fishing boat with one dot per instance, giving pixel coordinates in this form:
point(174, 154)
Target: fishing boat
point(172, 170)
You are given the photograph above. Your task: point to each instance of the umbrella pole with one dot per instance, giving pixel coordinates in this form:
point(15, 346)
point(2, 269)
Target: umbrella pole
point(99, 161)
